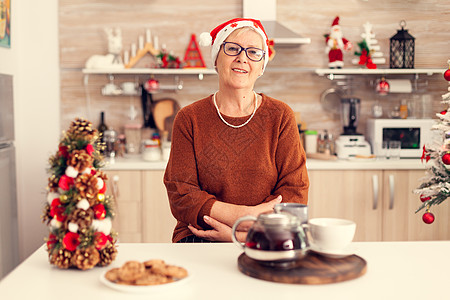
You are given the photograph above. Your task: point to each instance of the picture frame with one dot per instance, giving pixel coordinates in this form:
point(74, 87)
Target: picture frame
point(5, 23)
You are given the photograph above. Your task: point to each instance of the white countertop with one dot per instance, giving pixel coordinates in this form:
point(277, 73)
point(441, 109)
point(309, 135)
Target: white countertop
point(136, 163)
point(395, 270)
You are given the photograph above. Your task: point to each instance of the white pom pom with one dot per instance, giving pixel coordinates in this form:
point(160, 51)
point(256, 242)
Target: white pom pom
point(51, 196)
point(83, 204)
point(102, 225)
point(205, 39)
point(55, 223)
point(87, 171)
point(73, 227)
point(71, 172)
point(100, 183)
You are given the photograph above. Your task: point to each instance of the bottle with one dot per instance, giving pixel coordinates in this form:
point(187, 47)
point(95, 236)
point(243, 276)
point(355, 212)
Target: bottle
point(101, 129)
point(404, 109)
point(311, 141)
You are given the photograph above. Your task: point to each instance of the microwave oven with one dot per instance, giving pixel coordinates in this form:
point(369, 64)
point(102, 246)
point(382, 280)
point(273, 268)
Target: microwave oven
point(412, 133)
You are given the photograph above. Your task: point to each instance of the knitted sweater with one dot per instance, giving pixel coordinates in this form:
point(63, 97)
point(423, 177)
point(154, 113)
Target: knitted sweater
point(210, 161)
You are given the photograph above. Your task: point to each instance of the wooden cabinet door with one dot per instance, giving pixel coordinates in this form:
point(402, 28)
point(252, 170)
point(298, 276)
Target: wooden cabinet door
point(348, 194)
point(158, 221)
point(126, 188)
point(400, 222)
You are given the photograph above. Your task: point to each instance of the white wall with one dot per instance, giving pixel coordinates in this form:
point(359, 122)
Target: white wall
point(33, 60)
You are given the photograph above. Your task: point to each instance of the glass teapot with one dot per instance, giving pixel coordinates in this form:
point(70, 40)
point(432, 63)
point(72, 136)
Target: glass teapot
point(273, 237)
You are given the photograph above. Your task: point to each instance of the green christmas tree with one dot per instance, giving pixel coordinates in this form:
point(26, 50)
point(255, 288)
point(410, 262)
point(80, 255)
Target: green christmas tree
point(435, 188)
point(78, 213)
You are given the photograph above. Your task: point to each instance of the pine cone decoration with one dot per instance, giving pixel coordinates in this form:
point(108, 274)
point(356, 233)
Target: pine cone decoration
point(46, 217)
point(87, 187)
point(85, 259)
point(80, 160)
point(83, 218)
point(82, 128)
point(61, 258)
point(107, 255)
point(53, 183)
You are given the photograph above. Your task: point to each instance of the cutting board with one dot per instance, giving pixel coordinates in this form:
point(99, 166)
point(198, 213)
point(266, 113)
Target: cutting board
point(312, 269)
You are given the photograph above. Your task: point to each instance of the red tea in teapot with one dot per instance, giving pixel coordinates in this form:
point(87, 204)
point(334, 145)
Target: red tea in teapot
point(273, 240)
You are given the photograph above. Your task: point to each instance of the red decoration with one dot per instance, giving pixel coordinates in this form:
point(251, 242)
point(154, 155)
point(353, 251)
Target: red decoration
point(424, 198)
point(447, 75)
point(100, 240)
point(443, 112)
point(63, 151)
point(57, 210)
point(425, 155)
point(103, 189)
point(71, 241)
point(446, 158)
point(65, 182)
point(193, 57)
point(428, 217)
point(89, 149)
point(99, 211)
point(51, 241)
point(382, 87)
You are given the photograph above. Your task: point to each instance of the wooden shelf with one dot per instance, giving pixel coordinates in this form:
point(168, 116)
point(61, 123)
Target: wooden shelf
point(322, 72)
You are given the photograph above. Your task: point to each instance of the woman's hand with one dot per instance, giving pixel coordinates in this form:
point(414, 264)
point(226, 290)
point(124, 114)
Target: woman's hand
point(220, 232)
point(264, 207)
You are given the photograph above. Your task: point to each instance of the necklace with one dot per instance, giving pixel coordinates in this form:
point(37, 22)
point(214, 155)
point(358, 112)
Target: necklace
point(231, 125)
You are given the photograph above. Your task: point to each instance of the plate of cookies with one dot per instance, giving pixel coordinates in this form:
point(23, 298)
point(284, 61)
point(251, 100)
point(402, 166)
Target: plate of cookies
point(142, 277)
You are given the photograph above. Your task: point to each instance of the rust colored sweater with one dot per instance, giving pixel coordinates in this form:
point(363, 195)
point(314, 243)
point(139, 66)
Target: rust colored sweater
point(210, 161)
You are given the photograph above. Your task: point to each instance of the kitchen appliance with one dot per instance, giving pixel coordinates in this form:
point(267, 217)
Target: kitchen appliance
point(351, 143)
point(412, 133)
point(9, 247)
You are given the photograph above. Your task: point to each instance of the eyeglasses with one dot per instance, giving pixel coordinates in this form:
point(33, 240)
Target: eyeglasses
point(233, 49)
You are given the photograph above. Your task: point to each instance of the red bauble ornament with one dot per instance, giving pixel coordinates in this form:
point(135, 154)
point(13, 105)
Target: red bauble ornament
point(428, 218)
point(382, 87)
point(424, 198)
point(71, 241)
point(447, 74)
point(99, 211)
point(446, 158)
point(443, 112)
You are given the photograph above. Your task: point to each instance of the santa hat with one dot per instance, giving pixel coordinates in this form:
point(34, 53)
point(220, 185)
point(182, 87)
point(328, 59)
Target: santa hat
point(335, 22)
point(218, 35)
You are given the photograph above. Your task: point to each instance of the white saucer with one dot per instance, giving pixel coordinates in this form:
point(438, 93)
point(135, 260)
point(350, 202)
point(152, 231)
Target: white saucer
point(333, 253)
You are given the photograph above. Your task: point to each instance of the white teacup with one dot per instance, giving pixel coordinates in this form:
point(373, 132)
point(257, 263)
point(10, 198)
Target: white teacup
point(330, 234)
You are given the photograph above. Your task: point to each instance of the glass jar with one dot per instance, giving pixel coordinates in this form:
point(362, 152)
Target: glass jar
point(151, 150)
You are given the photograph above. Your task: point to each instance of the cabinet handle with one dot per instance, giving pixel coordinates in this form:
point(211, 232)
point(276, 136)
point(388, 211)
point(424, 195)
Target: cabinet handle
point(391, 191)
point(115, 187)
point(375, 191)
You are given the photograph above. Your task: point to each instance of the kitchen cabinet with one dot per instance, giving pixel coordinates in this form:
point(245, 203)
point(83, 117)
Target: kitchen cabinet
point(158, 220)
point(141, 206)
point(381, 202)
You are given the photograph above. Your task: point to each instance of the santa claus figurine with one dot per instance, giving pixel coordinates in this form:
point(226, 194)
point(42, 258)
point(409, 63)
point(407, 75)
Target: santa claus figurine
point(335, 43)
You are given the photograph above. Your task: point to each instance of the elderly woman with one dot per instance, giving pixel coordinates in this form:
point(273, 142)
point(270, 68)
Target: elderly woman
point(236, 152)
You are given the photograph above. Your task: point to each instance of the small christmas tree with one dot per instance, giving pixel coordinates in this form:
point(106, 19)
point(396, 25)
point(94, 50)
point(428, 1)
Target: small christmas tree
point(77, 211)
point(369, 55)
point(436, 186)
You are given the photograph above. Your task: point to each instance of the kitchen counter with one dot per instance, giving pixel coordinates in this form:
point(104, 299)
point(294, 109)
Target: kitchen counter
point(395, 270)
point(136, 163)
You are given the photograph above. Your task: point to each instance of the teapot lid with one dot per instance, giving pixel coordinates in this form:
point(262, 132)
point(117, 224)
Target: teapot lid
point(278, 219)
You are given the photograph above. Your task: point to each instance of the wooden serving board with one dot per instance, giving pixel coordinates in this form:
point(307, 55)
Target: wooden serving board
point(312, 269)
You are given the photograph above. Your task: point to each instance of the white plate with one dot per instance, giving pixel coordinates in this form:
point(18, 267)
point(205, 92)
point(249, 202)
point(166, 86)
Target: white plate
point(332, 254)
point(139, 289)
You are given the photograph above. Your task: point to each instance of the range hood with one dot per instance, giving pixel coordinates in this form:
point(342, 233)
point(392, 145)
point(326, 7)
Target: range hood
point(266, 11)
